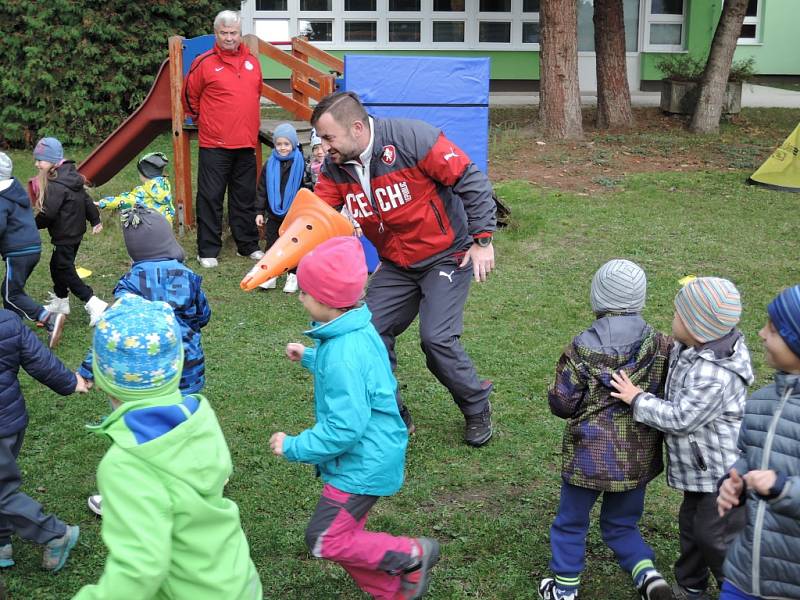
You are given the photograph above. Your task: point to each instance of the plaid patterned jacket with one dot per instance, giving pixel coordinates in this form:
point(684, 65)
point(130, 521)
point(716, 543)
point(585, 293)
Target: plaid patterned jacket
point(702, 410)
point(603, 448)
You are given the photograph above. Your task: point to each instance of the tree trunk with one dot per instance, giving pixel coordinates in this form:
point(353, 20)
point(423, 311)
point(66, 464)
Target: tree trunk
point(559, 96)
point(613, 93)
point(715, 76)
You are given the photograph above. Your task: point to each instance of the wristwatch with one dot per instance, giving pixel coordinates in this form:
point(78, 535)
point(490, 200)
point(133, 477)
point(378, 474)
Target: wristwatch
point(483, 241)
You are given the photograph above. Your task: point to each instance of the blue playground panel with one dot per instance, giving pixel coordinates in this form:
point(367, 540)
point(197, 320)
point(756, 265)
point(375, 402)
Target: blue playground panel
point(193, 47)
point(451, 93)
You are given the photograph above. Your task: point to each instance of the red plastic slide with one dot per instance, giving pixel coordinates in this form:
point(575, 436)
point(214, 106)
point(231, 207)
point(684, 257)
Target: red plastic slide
point(137, 131)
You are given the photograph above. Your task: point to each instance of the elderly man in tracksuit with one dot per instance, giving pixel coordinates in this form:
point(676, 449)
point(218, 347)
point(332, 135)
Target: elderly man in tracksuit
point(222, 94)
point(429, 212)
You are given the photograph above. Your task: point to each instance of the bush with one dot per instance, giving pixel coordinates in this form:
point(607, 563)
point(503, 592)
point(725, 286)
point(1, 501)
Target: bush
point(684, 67)
point(75, 70)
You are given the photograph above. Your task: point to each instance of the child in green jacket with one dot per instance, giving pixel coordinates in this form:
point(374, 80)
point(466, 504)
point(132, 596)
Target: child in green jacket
point(170, 532)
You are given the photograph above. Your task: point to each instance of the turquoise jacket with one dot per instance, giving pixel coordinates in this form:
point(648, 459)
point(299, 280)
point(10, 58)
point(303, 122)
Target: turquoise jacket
point(359, 440)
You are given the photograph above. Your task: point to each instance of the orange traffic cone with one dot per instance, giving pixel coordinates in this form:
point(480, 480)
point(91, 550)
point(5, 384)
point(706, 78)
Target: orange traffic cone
point(309, 222)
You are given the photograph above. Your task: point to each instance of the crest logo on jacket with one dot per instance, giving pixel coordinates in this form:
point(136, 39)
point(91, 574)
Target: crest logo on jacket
point(248, 65)
point(388, 155)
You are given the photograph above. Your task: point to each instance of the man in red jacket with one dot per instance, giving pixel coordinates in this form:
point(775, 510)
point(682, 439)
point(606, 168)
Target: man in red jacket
point(429, 212)
point(222, 94)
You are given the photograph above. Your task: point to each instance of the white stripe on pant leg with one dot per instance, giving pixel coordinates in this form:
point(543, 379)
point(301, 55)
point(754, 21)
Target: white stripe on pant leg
point(6, 298)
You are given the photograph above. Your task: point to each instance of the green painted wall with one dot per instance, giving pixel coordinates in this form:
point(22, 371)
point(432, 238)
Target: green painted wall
point(504, 65)
point(777, 54)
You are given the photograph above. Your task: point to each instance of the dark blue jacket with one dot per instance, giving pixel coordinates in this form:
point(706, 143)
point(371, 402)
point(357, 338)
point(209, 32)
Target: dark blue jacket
point(19, 347)
point(18, 232)
point(176, 284)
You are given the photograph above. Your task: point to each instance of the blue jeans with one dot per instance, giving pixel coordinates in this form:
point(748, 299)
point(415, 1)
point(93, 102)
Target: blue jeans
point(619, 527)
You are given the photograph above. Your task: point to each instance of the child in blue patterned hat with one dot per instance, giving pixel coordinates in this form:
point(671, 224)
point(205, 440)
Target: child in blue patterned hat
point(158, 272)
point(605, 453)
point(700, 414)
point(169, 529)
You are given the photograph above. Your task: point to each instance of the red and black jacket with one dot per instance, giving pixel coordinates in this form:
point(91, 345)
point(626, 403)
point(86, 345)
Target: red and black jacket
point(222, 94)
point(428, 198)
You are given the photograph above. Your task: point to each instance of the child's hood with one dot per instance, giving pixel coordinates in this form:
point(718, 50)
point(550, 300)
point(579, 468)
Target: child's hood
point(16, 194)
point(178, 435)
point(730, 352)
point(620, 342)
point(68, 176)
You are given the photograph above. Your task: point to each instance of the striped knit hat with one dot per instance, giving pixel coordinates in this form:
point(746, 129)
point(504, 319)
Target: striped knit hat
point(784, 312)
point(710, 307)
point(618, 286)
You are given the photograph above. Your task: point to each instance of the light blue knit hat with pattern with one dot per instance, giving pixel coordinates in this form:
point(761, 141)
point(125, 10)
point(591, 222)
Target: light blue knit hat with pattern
point(137, 348)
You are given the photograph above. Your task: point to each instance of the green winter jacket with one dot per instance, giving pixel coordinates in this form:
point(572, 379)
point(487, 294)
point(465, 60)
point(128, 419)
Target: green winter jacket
point(170, 532)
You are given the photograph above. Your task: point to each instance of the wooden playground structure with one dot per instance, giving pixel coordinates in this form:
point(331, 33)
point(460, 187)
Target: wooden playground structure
point(307, 83)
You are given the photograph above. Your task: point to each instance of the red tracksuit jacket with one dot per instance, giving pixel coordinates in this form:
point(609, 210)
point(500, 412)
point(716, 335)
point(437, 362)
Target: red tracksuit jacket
point(428, 198)
point(222, 94)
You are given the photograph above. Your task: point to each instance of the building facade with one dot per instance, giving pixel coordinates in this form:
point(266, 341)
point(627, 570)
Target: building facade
point(507, 31)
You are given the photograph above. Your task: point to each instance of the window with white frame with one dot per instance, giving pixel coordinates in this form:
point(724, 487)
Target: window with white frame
point(396, 24)
point(751, 27)
point(665, 25)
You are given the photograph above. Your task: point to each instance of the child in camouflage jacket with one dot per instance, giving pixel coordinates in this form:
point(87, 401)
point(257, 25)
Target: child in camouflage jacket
point(604, 451)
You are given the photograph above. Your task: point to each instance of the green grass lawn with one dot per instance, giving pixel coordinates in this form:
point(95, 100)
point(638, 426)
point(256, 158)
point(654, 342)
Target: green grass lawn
point(491, 507)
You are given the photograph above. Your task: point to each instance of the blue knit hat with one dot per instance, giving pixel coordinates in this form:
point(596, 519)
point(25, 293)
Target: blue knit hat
point(6, 166)
point(137, 349)
point(710, 307)
point(285, 130)
point(49, 149)
point(784, 312)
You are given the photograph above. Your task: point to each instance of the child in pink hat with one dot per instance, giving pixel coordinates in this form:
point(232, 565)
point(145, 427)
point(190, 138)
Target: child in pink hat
point(357, 413)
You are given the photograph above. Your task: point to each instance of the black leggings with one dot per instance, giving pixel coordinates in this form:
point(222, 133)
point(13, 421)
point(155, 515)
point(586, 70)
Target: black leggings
point(65, 277)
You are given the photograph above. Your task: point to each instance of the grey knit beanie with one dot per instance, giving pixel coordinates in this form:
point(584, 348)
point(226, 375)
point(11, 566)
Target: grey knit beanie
point(6, 166)
point(148, 235)
point(618, 286)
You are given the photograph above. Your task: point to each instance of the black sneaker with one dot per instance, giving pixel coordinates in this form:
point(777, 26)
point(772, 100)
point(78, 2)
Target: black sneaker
point(681, 593)
point(654, 587)
point(405, 414)
point(478, 429)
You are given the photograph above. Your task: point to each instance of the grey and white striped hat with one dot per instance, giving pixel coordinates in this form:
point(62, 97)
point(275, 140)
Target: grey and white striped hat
point(618, 286)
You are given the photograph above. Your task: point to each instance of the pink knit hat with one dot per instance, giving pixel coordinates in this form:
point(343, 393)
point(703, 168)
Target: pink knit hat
point(334, 272)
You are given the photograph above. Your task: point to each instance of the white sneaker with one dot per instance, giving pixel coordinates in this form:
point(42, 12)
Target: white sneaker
point(269, 284)
point(291, 284)
point(95, 308)
point(95, 503)
point(254, 255)
point(56, 304)
point(208, 263)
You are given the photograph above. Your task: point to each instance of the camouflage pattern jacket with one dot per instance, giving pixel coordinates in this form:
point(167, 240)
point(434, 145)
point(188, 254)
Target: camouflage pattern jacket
point(603, 448)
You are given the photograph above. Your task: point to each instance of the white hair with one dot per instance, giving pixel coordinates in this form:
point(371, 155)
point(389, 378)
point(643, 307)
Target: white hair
point(227, 18)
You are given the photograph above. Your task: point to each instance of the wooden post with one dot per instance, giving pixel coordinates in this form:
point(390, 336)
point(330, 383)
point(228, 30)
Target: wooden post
point(181, 147)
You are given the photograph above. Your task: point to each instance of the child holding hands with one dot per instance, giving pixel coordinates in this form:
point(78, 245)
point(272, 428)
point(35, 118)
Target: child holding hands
point(19, 513)
point(700, 414)
point(764, 559)
point(359, 440)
